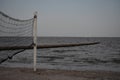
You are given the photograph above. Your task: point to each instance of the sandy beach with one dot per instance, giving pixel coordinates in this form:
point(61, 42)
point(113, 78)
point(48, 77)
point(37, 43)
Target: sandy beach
point(50, 74)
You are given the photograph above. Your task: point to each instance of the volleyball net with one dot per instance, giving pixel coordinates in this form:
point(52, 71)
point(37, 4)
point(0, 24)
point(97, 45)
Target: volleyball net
point(15, 33)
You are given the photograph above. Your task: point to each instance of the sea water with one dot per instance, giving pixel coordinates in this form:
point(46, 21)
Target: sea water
point(103, 56)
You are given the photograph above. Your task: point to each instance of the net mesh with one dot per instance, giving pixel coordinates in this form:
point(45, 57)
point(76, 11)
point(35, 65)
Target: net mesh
point(14, 32)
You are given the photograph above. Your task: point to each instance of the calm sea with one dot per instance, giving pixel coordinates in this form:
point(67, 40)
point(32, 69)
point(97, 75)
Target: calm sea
point(103, 56)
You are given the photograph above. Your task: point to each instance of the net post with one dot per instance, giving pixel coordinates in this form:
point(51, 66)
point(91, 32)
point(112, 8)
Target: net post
point(35, 41)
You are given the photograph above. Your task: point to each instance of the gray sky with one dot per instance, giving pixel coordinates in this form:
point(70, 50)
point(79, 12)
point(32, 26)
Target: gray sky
point(76, 18)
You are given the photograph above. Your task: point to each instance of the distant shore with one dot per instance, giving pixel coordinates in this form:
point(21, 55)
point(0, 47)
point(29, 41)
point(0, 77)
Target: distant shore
point(52, 74)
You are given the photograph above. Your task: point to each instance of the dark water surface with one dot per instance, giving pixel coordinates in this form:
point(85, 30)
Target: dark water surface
point(103, 56)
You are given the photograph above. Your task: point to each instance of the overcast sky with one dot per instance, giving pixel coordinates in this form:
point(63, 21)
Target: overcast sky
point(75, 18)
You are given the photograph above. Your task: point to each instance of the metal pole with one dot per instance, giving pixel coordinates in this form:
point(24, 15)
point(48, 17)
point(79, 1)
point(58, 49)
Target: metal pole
point(35, 40)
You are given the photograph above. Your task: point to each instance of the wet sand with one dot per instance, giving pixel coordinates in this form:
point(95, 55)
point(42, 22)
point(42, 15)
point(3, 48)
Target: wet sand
point(50, 74)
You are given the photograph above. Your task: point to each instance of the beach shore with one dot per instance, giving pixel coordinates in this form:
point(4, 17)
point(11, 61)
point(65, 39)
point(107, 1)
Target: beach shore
point(51, 74)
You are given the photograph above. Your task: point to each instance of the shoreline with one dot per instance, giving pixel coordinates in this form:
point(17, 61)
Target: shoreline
point(7, 73)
